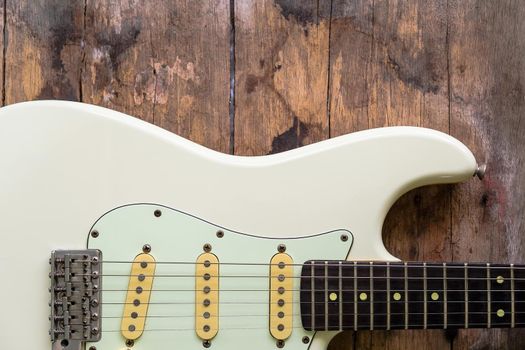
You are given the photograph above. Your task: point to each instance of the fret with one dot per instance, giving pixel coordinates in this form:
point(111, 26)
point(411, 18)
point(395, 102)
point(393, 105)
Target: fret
point(380, 296)
point(512, 298)
point(445, 292)
point(425, 306)
point(388, 295)
point(476, 307)
point(488, 296)
point(363, 296)
point(500, 296)
point(326, 299)
point(312, 292)
point(405, 273)
point(396, 296)
point(519, 295)
point(355, 296)
point(340, 273)
point(466, 294)
point(371, 273)
point(455, 295)
point(415, 296)
point(435, 296)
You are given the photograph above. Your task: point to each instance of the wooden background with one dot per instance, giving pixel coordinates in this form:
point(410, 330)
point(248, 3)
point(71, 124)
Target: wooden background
point(253, 77)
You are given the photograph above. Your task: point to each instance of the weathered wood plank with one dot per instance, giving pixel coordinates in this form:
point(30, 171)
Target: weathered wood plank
point(281, 55)
point(2, 47)
point(43, 50)
point(165, 62)
point(487, 45)
point(388, 66)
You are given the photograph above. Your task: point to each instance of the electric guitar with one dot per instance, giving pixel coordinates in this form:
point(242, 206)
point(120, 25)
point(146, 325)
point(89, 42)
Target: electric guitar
point(148, 241)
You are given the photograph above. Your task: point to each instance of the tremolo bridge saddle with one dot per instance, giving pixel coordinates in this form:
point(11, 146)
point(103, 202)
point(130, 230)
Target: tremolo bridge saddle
point(75, 298)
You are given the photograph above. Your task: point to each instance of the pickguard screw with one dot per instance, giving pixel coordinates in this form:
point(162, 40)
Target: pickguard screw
point(206, 343)
point(344, 237)
point(94, 233)
point(207, 247)
point(306, 340)
point(280, 344)
point(129, 343)
point(220, 234)
point(146, 248)
point(92, 348)
point(157, 213)
point(281, 248)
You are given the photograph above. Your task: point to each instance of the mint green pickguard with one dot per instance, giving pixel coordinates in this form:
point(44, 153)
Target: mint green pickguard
point(176, 236)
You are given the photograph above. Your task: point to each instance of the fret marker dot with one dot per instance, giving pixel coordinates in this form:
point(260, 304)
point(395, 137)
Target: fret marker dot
point(500, 279)
point(397, 296)
point(500, 313)
point(333, 296)
point(434, 296)
point(363, 296)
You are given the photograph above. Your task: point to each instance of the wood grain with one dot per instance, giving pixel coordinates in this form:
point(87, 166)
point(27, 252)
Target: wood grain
point(487, 75)
point(301, 72)
point(165, 62)
point(43, 50)
point(281, 79)
point(389, 67)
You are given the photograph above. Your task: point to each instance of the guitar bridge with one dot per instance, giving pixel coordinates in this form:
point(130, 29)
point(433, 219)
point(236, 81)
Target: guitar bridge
point(75, 298)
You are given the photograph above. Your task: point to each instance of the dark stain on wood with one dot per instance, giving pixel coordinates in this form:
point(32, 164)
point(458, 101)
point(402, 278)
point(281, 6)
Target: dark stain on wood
point(417, 71)
point(118, 43)
point(291, 138)
point(63, 33)
point(304, 12)
point(58, 89)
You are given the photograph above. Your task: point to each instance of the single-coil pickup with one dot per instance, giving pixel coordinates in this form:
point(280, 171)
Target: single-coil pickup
point(137, 297)
point(207, 296)
point(281, 296)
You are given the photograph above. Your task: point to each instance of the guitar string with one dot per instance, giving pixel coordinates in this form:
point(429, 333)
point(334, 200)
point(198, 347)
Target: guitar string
point(429, 290)
point(335, 263)
point(308, 314)
point(335, 327)
point(275, 275)
point(318, 302)
point(221, 276)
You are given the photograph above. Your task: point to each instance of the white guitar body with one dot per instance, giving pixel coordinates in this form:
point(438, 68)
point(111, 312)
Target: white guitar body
point(63, 165)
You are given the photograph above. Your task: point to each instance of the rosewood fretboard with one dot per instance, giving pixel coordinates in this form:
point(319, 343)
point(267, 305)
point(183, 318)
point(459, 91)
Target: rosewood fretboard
point(342, 295)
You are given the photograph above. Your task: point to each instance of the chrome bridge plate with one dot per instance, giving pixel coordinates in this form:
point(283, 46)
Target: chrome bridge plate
point(75, 298)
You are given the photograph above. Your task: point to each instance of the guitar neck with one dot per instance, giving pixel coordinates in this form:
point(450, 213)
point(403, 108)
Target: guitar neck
point(343, 295)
